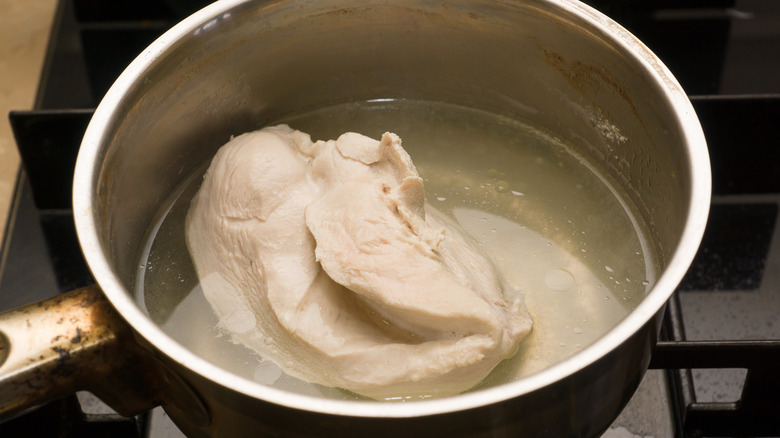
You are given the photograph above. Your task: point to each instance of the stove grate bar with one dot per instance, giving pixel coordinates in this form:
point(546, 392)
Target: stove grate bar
point(755, 414)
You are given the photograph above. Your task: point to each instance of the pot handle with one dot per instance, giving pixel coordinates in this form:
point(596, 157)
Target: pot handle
point(74, 341)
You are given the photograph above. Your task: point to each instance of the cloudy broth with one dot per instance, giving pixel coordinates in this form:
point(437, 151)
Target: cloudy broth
point(560, 233)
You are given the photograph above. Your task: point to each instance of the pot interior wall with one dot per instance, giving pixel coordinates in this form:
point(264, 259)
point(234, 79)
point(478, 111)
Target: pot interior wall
point(259, 62)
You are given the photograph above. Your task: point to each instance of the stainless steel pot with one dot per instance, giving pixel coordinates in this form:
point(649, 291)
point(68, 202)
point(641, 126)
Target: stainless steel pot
point(235, 65)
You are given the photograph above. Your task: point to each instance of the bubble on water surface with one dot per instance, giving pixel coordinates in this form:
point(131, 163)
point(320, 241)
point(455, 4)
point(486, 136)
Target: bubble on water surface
point(559, 279)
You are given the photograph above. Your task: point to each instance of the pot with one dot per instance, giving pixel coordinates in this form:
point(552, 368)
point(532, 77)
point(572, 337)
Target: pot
point(237, 64)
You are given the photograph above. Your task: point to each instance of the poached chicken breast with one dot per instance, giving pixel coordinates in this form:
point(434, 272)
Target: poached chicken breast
point(324, 258)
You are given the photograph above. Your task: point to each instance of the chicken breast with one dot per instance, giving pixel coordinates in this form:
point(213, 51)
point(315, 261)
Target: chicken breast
point(324, 258)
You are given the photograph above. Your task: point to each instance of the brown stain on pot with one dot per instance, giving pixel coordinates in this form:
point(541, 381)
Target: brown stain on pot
point(590, 80)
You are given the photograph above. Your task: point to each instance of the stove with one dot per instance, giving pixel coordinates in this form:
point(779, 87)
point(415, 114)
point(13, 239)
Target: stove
point(715, 372)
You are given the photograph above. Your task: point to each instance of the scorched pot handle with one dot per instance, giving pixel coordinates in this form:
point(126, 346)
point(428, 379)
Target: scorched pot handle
point(72, 342)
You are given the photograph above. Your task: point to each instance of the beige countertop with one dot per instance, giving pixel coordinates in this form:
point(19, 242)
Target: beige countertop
point(24, 33)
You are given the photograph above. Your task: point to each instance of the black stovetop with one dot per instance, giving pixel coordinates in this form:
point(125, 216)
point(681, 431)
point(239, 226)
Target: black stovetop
point(721, 326)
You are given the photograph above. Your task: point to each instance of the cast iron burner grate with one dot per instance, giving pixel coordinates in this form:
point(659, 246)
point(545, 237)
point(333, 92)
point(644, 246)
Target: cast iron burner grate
point(753, 415)
point(92, 41)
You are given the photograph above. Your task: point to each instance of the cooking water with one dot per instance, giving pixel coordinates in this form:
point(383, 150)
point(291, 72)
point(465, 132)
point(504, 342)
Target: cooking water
point(561, 234)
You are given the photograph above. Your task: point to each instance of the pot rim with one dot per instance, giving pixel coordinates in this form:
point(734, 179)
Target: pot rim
point(87, 172)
